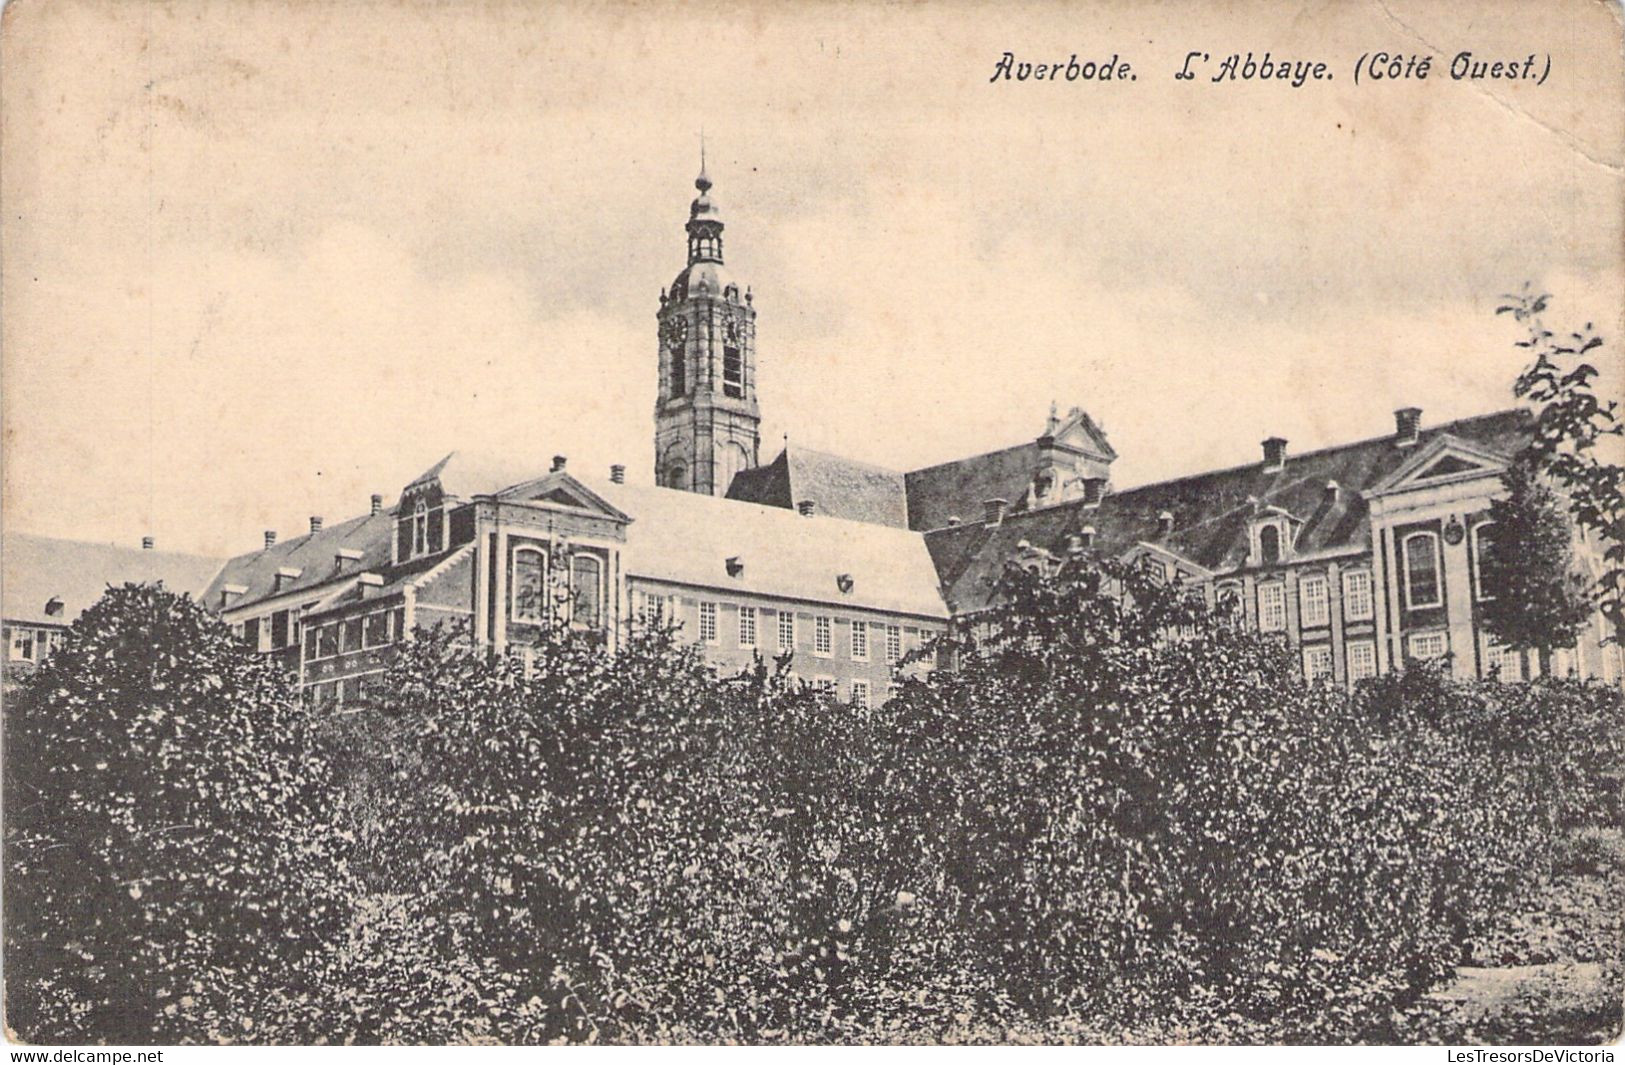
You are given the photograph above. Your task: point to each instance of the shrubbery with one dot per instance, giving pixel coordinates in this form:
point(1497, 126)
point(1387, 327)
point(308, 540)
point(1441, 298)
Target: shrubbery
point(1120, 817)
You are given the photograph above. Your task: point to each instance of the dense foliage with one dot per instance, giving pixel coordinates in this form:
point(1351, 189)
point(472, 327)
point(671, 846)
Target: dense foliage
point(1540, 599)
point(1120, 817)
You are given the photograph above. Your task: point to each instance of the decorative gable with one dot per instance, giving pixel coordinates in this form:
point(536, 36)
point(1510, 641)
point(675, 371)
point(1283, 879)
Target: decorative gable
point(1446, 460)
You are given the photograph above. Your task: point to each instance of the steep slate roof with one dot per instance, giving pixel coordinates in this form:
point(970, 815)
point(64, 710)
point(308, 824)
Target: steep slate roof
point(1211, 511)
point(466, 475)
point(839, 487)
point(312, 554)
point(687, 538)
point(38, 569)
point(957, 489)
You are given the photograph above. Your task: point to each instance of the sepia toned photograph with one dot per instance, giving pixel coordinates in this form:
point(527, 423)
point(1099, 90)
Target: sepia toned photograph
point(833, 523)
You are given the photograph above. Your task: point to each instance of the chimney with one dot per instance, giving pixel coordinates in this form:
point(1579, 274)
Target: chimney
point(147, 543)
point(617, 473)
point(315, 523)
point(558, 464)
point(1094, 490)
point(1333, 490)
point(993, 510)
point(270, 538)
point(377, 503)
point(807, 507)
point(736, 565)
point(1086, 536)
point(1407, 423)
point(1165, 523)
point(1274, 454)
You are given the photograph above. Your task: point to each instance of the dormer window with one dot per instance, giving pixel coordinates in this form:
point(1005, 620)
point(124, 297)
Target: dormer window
point(1271, 541)
point(420, 528)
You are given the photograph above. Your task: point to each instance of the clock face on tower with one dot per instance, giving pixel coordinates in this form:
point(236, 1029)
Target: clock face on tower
point(676, 332)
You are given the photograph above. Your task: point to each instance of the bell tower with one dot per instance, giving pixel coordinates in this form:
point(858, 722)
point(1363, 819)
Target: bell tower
point(707, 426)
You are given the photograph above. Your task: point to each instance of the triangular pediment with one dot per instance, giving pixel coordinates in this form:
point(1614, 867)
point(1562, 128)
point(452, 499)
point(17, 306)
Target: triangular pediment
point(1444, 461)
point(1078, 432)
point(562, 490)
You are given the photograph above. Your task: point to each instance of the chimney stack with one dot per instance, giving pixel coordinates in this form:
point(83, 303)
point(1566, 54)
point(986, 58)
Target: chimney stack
point(147, 543)
point(617, 474)
point(1165, 523)
point(993, 510)
point(1274, 453)
point(270, 538)
point(558, 463)
point(377, 503)
point(1094, 490)
point(315, 524)
point(807, 507)
point(1407, 423)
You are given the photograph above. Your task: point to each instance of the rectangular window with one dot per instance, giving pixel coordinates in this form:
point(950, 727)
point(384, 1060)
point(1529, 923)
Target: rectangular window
point(1426, 645)
point(860, 641)
point(860, 694)
point(1506, 661)
point(787, 630)
point(733, 373)
point(1272, 607)
point(1357, 595)
point(708, 622)
point(823, 637)
point(279, 629)
point(352, 635)
point(528, 593)
point(747, 626)
point(1312, 600)
point(251, 633)
point(22, 645)
point(310, 642)
point(1483, 537)
point(1317, 663)
point(328, 643)
point(377, 633)
point(894, 643)
point(1421, 563)
point(587, 588)
point(1362, 660)
point(825, 685)
point(659, 610)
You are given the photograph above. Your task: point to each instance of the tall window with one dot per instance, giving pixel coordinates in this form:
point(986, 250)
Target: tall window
point(1483, 540)
point(860, 694)
point(659, 610)
point(420, 529)
point(1357, 595)
point(23, 645)
point(787, 630)
point(327, 642)
point(860, 641)
point(1317, 663)
point(587, 586)
point(823, 637)
point(679, 379)
point(708, 622)
point(378, 629)
point(894, 642)
point(747, 626)
point(529, 590)
point(1362, 656)
point(733, 373)
point(1421, 570)
point(1272, 606)
point(1312, 600)
point(352, 635)
point(1269, 544)
point(1504, 661)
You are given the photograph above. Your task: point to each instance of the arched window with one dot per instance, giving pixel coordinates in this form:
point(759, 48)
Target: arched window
point(587, 586)
point(1421, 550)
point(1483, 544)
point(420, 528)
point(1269, 544)
point(677, 475)
point(528, 591)
point(679, 377)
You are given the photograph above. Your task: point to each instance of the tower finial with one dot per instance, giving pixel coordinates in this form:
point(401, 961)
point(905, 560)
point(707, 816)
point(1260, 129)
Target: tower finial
point(703, 183)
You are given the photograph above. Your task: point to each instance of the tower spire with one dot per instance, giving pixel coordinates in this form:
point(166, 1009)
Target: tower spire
point(703, 183)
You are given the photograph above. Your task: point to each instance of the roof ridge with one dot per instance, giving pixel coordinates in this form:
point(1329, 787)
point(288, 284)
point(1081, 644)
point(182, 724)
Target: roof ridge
point(842, 458)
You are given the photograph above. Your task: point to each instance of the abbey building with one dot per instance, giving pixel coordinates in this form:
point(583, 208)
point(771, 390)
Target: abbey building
point(1363, 555)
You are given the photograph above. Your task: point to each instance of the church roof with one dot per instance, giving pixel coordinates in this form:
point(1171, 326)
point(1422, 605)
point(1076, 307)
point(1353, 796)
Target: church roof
point(39, 569)
point(838, 487)
point(314, 555)
point(1212, 511)
point(688, 538)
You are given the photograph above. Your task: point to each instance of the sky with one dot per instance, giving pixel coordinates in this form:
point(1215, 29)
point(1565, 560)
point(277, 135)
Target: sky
point(262, 260)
